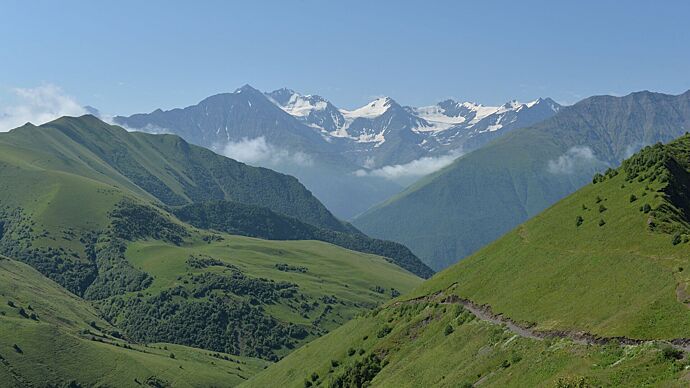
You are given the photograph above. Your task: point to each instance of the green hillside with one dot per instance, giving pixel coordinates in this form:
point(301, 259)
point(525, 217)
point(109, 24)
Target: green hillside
point(248, 296)
point(57, 338)
point(412, 346)
point(75, 204)
point(164, 166)
point(163, 169)
point(592, 291)
point(621, 272)
point(254, 221)
point(486, 193)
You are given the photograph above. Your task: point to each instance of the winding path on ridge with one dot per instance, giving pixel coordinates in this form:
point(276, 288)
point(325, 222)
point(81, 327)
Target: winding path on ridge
point(484, 313)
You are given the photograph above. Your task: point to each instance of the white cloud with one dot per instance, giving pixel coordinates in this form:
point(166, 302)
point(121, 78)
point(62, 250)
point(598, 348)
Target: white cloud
point(38, 105)
point(631, 149)
point(259, 152)
point(414, 169)
point(149, 128)
point(575, 159)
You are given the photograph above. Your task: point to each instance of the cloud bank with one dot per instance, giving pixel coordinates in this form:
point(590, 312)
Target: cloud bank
point(573, 160)
point(149, 128)
point(414, 169)
point(259, 152)
point(38, 105)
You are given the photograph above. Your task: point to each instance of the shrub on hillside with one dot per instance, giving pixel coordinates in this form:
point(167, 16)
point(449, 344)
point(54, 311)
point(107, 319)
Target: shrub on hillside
point(384, 331)
point(676, 239)
point(359, 374)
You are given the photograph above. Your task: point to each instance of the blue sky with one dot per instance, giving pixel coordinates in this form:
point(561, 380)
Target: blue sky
point(125, 57)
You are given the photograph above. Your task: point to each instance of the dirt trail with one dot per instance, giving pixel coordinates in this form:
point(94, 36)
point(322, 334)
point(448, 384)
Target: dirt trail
point(485, 314)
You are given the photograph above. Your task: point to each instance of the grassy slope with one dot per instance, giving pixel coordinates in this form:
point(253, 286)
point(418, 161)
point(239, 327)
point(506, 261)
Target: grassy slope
point(418, 353)
point(60, 175)
point(56, 348)
point(83, 155)
point(63, 186)
point(59, 198)
point(165, 166)
point(617, 279)
point(67, 191)
point(253, 221)
point(331, 271)
point(38, 180)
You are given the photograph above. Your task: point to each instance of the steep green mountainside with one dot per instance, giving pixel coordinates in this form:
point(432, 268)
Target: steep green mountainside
point(164, 166)
point(609, 259)
point(486, 193)
point(253, 221)
point(591, 292)
point(437, 345)
point(81, 220)
point(106, 160)
point(52, 338)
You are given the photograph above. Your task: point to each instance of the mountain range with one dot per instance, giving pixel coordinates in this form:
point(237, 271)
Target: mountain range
point(452, 213)
point(500, 165)
point(384, 133)
point(133, 258)
point(344, 156)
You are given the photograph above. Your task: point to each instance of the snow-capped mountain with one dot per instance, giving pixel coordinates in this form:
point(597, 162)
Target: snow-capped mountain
point(313, 110)
point(477, 118)
point(245, 113)
point(327, 147)
point(376, 121)
point(467, 125)
point(383, 132)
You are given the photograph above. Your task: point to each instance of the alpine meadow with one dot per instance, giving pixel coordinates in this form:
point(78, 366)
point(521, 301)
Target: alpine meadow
point(344, 194)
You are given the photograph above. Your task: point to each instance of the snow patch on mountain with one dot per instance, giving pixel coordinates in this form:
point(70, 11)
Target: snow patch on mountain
point(371, 110)
point(378, 138)
point(449, 114)
point(473, 117)
point(533, 103)
point(302, 106)
point(437, 118)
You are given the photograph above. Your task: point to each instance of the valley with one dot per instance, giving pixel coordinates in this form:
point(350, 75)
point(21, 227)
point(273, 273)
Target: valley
point(584, 294)
point(99, 222)
point(168, 260)
point(351, 194)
